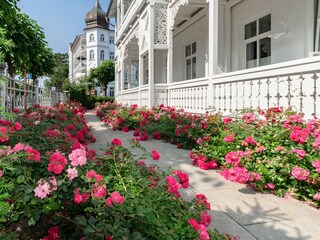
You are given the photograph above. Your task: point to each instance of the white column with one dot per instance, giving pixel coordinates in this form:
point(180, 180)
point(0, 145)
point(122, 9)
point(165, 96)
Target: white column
point(122, 11)
point(169, 57)
point(213, 48)
point(140, 77)
point(151, 54)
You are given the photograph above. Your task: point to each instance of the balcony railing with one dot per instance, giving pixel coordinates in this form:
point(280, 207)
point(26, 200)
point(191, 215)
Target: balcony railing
point(80, 67)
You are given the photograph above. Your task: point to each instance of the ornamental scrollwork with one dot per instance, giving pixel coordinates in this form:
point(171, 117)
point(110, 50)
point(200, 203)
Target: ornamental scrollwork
point(173, 11)
point(160, 24)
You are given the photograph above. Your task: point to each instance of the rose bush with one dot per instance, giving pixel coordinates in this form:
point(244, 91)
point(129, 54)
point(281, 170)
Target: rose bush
point(271, 150)
point(53, 183)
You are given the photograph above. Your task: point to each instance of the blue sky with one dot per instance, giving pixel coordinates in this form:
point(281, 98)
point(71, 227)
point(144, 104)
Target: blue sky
point(61, 20)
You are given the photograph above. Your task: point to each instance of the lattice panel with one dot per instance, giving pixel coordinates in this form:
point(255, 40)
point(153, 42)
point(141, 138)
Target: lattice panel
point(160, 24)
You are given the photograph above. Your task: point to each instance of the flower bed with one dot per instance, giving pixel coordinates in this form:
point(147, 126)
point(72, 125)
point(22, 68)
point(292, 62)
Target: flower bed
point(54, 187)
point(273, 150)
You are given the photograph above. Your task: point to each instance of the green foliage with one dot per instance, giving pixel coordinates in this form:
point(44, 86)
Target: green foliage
point(264, 144)
point(30, 52)
point(5, 44)
point(79, 92)
point(104, 73)
point(148, 209)
point(59, 77)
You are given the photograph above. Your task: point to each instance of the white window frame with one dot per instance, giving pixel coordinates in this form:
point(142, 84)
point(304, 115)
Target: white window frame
point(191, 57)
point(91, 55)
point(91, 37)
point(255, 38)
point(111, 40)
point(111, 91)
point(101, 37)
point(102, 55)
point(111, 57)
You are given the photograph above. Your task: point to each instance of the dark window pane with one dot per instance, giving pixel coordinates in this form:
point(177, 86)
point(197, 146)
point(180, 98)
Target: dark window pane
point(265, 51)
point(194, 48)
point(265, 24)
point(251, 54)
point(194, 67)
point(250, 30)
point(188, 72)
point(188, 50)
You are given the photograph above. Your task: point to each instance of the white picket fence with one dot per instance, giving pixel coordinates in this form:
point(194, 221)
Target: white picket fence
point(15, 94)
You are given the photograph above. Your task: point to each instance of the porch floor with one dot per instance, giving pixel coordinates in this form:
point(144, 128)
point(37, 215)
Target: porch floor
point(235, 208)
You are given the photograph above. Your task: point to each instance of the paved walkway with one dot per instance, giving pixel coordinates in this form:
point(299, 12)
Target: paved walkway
point(236, 209)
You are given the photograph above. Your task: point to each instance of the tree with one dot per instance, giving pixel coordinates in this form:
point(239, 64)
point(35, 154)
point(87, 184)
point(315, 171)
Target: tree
point(104, 73)
point(5, 44)
point(59, 77)
point(30, 52)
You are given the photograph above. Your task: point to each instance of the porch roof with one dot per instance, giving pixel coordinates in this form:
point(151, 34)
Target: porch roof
point(184, 11)
point(112, 9)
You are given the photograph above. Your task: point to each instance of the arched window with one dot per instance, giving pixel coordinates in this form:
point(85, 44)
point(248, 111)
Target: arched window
point(91, 38)
point(91, 57)
point(101, 55)
point(102, 38)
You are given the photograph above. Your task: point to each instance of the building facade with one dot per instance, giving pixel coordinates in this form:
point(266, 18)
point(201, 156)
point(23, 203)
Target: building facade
point(218, 54)
point(93, 47)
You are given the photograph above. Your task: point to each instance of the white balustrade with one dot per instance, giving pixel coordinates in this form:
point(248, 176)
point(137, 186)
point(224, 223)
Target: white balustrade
point(294, 84)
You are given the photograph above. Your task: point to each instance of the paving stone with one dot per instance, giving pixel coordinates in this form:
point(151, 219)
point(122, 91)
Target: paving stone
point(246, 206)
point(284, 230)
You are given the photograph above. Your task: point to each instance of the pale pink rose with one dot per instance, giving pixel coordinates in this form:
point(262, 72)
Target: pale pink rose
point(43, 189)
point(18, 147)
point(54, 183)
point(78, 157)
point(317, 196)
point(72, 173)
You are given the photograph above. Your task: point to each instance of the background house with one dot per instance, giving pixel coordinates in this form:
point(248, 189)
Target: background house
point(227, 55)
point(93, 47)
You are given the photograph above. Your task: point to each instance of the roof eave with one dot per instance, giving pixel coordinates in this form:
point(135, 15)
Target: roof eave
point(112, 9)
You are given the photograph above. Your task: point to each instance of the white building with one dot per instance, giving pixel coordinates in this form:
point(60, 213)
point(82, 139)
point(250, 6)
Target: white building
point(222, 54)
point(89, 50)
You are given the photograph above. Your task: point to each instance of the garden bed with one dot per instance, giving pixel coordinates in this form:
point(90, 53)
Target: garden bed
point(272, 150)
point(54, 187)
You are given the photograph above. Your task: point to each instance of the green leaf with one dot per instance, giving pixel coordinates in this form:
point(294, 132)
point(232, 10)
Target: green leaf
point(81, 220)
point(51, 207)
point(31, 222)
point(20, 179)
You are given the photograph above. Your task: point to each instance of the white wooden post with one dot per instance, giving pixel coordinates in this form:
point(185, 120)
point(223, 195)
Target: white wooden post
point(151, 54)
point(213, 49)
point(140, 78)
point(169, 58)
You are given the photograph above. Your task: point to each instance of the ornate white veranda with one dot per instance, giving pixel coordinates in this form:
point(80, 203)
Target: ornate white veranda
point(146, 66)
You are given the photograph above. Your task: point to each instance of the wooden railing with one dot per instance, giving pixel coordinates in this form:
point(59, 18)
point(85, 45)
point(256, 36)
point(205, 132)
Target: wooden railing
point(294, 84)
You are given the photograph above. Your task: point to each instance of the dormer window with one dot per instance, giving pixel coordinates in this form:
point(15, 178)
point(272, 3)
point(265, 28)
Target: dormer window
point(102, 38)
point(91, 38)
